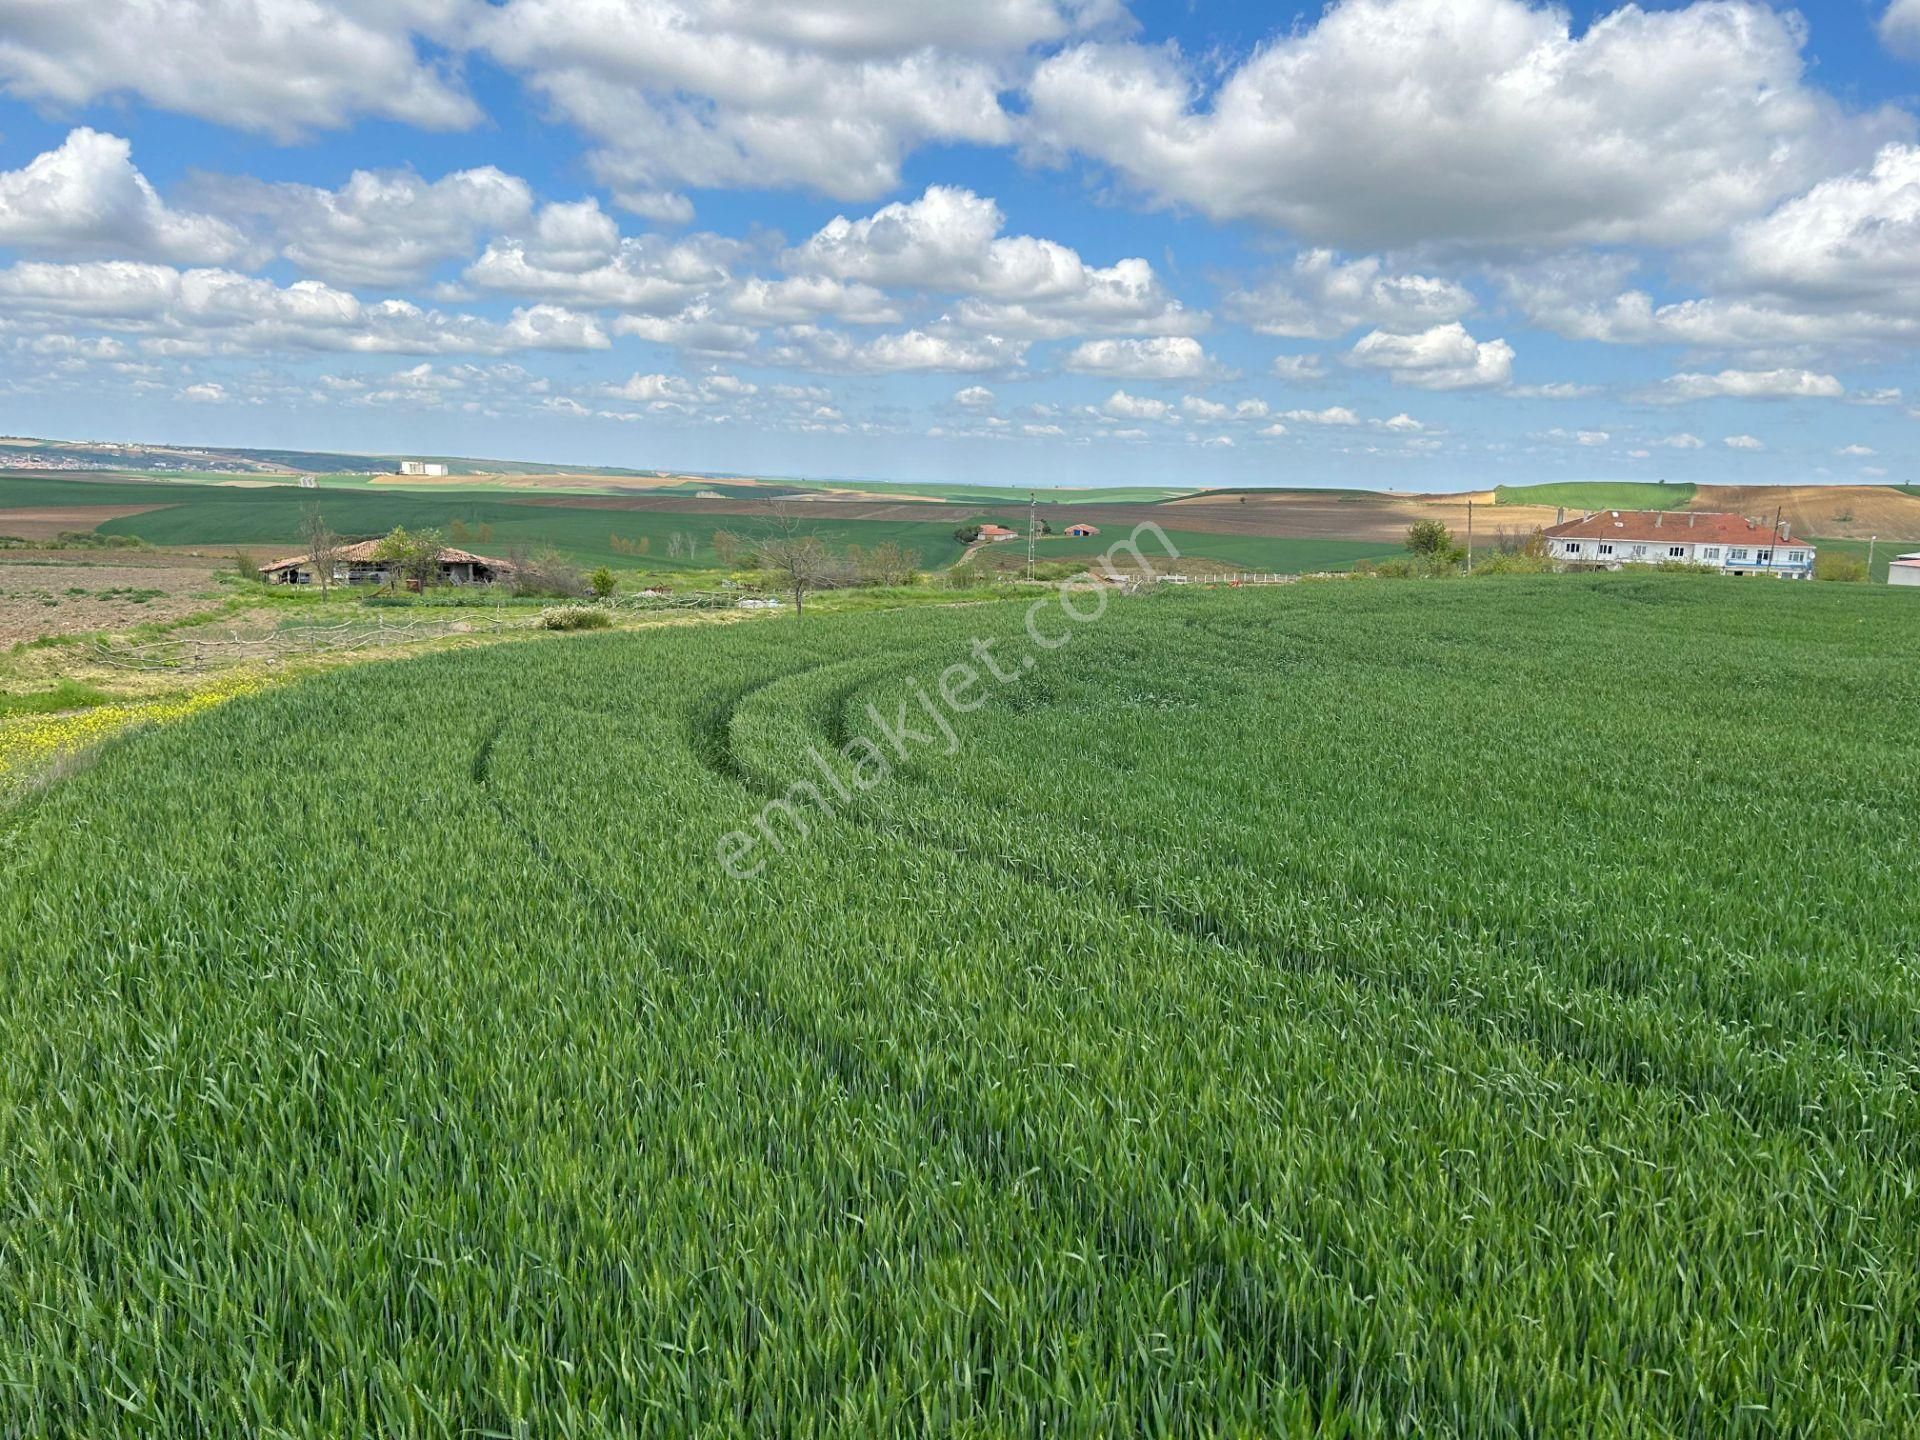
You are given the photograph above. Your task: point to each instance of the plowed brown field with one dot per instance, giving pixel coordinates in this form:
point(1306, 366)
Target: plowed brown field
point(1844, 512)
point(43, 522)
point(1312, 517)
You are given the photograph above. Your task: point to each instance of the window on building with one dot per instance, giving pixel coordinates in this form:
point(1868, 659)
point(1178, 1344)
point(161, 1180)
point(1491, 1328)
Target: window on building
point(1710, 552)
point(1639, 550)
point(1763, 557)
point(1604, 549)
point(1573, 547)
point(1796, 557)
point(1737, 554)
point(1676, 552)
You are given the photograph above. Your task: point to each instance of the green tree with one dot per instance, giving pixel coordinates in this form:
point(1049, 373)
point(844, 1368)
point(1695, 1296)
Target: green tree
point(412, 556)
point(601, 582)
point(1430, 539)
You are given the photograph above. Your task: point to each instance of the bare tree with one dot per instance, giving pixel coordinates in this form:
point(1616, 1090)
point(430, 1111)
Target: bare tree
point(887, 563)
point(801, 560)
point(322, 546)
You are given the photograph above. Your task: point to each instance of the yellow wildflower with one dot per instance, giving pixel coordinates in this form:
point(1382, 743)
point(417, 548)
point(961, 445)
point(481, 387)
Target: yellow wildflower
point(34, 744)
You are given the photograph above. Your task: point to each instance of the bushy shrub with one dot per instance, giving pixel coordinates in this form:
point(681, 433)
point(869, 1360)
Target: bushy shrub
point(575, 617)
point(75, 540)
point(1412, 567)
point(1842, 568)
point(601, 582)
point(546, 573)
point(885, 564)
point(1686, 567)
point(1512, 562)
point(1431, 540)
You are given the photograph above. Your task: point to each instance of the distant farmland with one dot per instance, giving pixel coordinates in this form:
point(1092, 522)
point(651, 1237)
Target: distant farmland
point(270, 516)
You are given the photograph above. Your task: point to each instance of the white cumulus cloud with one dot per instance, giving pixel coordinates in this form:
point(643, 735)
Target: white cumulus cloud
point(1168, 357)
point(1443, 358)
point(284, 67)
point(1486, 123)
point(384, 228)
point(1323, 298)
point(1900, 27)
point(644, 274)
point(949, 242)
point(87, 198)
point(828, 94)
point(181, 312)
point(1752, 385)
point(913, 351)
point(1122, 406)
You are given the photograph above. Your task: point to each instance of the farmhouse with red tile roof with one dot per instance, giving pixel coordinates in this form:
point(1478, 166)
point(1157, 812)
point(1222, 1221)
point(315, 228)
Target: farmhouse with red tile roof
point(1733, 544)
point(359, 563)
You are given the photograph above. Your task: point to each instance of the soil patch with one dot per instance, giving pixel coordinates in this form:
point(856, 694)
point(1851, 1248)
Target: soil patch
point(74, 597)
point(43, 522)
point(1835, 512)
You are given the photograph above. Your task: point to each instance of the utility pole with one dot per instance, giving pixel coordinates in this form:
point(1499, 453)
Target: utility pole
point(1870, 544)
point(1469, 537)
point(1033, 527)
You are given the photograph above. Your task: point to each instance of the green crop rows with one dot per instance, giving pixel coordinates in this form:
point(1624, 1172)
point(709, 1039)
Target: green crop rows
point(269, 517)
point(1275, 553)
point(1600, 495)
point(1353, 1009)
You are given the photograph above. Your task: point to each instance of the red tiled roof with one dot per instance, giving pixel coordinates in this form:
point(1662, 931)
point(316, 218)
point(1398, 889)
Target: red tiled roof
point(362, 552)
point(996, 530)
point(1670, 527)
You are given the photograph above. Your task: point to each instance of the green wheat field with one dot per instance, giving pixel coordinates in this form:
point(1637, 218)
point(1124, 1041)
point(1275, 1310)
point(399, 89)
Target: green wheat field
point(1351, 1009)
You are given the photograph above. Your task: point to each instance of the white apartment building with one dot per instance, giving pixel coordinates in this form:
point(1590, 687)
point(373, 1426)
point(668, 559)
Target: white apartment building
point(1609, 539)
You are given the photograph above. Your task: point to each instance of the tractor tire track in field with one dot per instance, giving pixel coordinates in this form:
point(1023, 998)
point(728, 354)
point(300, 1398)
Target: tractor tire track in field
point(1592, 1026)
point(1286, 1353)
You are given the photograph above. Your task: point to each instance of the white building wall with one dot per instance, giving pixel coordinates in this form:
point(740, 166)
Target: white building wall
point(1615, 553)
point(1898, 574)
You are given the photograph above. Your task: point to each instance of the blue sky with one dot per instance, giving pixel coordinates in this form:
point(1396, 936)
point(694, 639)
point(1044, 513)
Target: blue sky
point(1422, 244)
